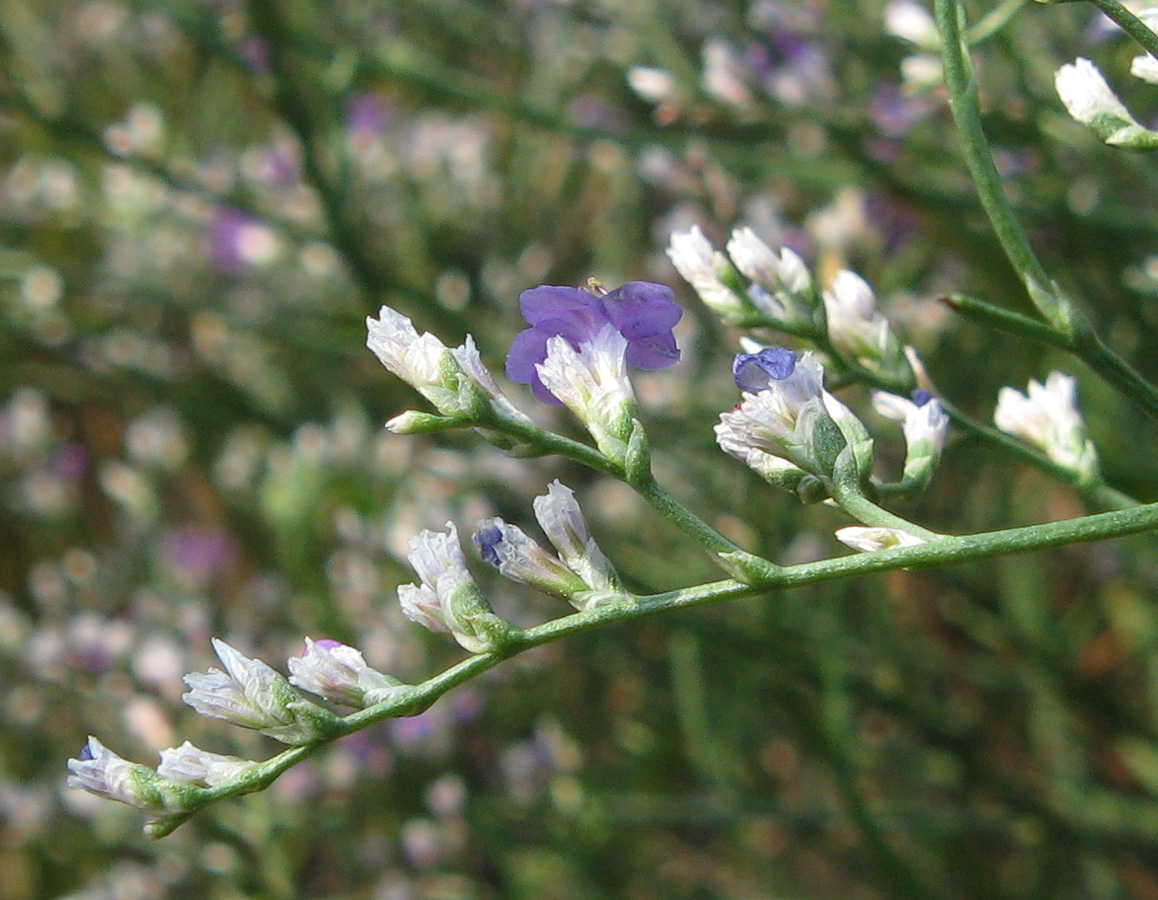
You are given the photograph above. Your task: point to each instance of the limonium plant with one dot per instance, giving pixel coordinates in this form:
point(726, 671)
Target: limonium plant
point(802, 338)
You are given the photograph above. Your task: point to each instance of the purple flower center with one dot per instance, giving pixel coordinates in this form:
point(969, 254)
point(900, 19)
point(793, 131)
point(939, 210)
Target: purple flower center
point(921, 397)
point(86, 753)
point(643, 312)
point(487, 539)
point(753, 371)
point(326, 644)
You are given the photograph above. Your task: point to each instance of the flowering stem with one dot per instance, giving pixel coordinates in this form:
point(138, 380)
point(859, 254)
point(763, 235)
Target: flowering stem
point(946, 550)
point(547, 442)
point(1130, 24)
point(1072, 325)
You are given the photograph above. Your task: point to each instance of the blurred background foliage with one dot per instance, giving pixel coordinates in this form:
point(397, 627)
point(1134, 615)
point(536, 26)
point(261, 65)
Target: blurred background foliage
point(200, 202)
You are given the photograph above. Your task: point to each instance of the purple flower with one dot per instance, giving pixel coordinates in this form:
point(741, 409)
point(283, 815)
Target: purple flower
point(754, 371)
point(643, 312)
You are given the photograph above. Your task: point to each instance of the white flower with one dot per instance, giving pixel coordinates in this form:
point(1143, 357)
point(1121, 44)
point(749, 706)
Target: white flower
point(705, 269)
point(339, 673)
point(188, 764)
point(856, 327)
point(1089, 99)
point(1047, 417)
point(652, 84)
point(563, 523)
point(251, 694)
point(592, 382)
point(869, 539)
point(783, 415)
point(453, 379)
point(912, 22)
point(723, 76)
point(782, 288)
point(100, 771)
point(925, 424)
point(1145, 66)
point(1085, 93)
point(447, 597)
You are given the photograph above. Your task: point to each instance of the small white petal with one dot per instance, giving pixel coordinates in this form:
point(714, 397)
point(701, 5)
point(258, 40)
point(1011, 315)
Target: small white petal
point(872, 539)
point(1085, 93)
point(188, 764)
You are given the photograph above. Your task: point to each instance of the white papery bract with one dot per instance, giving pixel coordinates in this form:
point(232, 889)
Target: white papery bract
point(1089, 99)
point(708, 271)
point(188, 764)
point(869, 539)
point(453, 379)
point(100, 771)
point(338, 673)
point(562, 521)
point(857, 328)
point(251, 694)
point(1047, 417)
point(447, 601)
point(782, 289)
point(592, 382)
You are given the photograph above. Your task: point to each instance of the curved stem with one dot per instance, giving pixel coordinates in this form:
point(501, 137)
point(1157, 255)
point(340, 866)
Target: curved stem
point(966, 110)
point(866, 512)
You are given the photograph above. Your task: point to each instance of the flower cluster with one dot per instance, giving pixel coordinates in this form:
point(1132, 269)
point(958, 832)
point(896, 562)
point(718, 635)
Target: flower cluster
point(246, 692)
point(581, 574)
point(790, 430)
point(781, 294)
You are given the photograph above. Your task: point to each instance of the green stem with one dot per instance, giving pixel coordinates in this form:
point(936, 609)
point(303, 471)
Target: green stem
point(1071, 324)
point(974, 310)
point(966, 110)
point(993, 21)
point(946, 550)
point(1099, 492)
point(857, 505)
point(1130, 24)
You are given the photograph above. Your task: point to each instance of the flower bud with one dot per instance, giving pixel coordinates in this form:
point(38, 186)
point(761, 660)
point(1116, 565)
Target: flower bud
point(1047, 417)
point(518, 557)
point(251, 694)
point(447, 600)
point(100, 771)
point(1088, 98)
point(188, 764)
point(709, 272)
point(339, 673)
point(869, 539)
